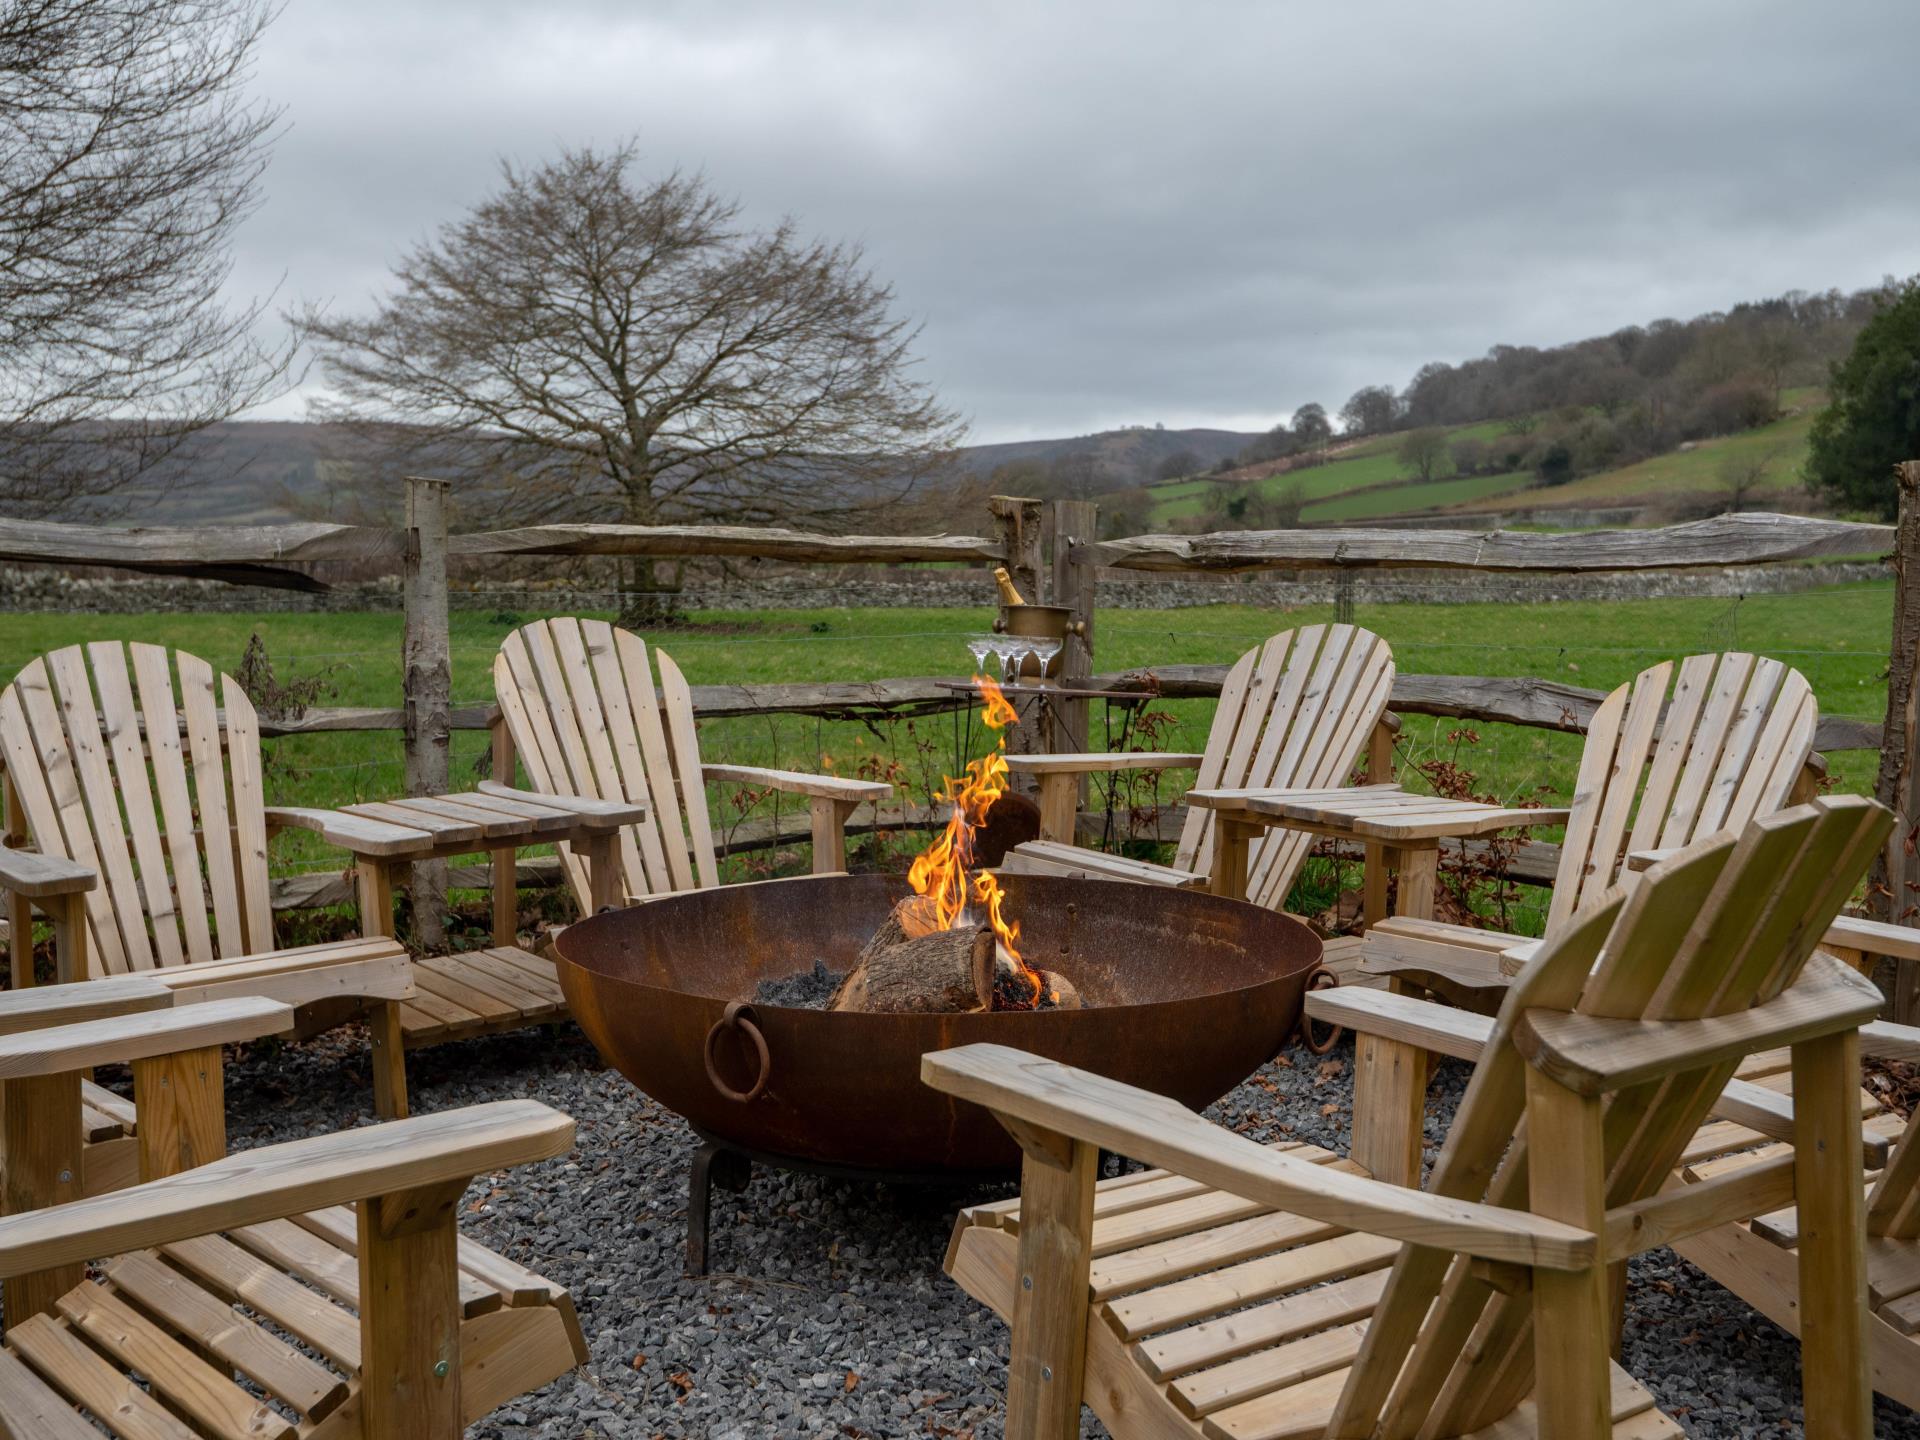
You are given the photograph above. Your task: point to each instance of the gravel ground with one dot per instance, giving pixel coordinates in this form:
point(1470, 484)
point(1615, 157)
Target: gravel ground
point(827, 1312)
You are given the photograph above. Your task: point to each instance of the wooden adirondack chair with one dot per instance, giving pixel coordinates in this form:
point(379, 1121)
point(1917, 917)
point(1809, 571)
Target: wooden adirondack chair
point(1242, 1292)
point(255, 1265)
point(1682, 752)
point(1756, 1259)
point(145, 810)
point(579, 703)
point(1294, 713)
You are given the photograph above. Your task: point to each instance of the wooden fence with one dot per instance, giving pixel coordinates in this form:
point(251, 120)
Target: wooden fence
point(1051, 551)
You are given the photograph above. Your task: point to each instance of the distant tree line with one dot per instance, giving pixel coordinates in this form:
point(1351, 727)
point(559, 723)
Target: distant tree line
point(1570, 410)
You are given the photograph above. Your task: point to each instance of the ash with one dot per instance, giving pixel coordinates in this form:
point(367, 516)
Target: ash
point(827, 1314)
point(809, 990)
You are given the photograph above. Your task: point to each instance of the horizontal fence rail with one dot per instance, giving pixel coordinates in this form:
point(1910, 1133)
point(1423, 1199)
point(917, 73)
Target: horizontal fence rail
point(1752, 539)
point(257, 554)
point(1537, 704)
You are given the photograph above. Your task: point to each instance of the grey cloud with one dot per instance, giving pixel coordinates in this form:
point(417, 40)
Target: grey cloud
point(1114, 212)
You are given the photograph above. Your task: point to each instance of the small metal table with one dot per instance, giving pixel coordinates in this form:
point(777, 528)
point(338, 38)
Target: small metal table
point(1406, 828)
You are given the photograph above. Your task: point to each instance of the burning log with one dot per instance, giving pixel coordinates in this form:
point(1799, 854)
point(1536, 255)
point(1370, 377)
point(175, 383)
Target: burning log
point(907, 968)
point(911, 967)
point(932, 954)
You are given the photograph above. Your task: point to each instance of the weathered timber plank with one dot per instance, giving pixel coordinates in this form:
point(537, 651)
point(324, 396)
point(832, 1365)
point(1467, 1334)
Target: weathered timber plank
point(242, 554)
point(1510, 700)
point(1748, 539)
point(764, 542)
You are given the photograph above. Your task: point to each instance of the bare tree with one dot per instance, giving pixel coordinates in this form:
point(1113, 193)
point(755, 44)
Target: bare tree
point(128, 156)
point(1370, 410)
point(586, 345)
point(1424, 451)
point(1310, 424)
point(1743, 470)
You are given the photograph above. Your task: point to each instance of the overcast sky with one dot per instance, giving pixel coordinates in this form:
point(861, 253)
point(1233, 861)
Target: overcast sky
point(1112, 213)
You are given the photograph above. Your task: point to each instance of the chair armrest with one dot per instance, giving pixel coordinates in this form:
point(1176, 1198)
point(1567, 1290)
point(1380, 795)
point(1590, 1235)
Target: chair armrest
point(1162, 1132)
point(1439, 1028)
point(29, 873)
point(1595, 1054)
point(1100, 762)
point(1638, 860)
point(1874, 937)
point(83, 1000)
point(1885, 1040)
point(355, 833)
point(1771, 1113)
point(279, 1181)
point(793, 782)
point(122, 1039)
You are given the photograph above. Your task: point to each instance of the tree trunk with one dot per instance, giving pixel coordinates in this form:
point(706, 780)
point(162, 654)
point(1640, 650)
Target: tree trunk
point(427, 679)
point(644, 600)
point(1893, 886)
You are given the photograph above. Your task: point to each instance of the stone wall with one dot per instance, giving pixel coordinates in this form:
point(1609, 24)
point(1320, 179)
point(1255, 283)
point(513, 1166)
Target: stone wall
point(33, 588)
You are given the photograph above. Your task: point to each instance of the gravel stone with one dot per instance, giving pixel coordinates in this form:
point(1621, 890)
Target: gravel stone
point(827, 1312)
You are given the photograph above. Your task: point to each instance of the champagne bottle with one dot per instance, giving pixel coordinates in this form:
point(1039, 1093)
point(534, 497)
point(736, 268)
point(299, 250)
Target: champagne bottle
point(1009, 592)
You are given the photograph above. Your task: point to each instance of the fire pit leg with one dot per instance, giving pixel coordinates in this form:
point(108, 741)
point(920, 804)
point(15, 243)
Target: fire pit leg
point(713, 1164)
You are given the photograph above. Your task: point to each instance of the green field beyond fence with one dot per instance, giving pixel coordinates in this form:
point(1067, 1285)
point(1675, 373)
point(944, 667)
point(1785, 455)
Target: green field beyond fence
point(1837, 637)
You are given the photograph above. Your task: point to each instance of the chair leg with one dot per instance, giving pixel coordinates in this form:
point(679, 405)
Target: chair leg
point(389, 1061)
point(40, 1128)
point(1572, 1319)
point(828, 818)
point(1389, 1108)
point(410, 1315)
point(1059, 807)
point(1046, 1373)
point(1835, 1379)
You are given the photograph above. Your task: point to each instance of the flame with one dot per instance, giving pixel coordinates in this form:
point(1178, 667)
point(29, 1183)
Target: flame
point(943, 871)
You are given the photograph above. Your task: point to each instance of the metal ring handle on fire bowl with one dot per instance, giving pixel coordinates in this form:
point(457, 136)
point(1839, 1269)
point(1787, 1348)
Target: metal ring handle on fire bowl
point(739, 1016)
point(1319, 978)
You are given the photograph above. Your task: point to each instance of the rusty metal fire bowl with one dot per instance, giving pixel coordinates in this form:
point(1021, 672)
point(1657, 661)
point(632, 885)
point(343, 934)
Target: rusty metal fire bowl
point(1186, 995)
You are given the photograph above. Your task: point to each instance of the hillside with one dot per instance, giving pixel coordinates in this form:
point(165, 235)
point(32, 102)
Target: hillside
point(259, 472)
point(1119, 458)
point(1366, 481)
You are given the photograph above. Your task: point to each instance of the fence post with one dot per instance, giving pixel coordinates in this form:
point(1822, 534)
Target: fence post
point(1893, 890)
point(1017, 525)
point(1074, 522)
point(426, 670)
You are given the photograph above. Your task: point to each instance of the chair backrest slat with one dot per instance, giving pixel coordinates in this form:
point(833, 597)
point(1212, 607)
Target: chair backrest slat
point(1724, 925)
point(676, 700)
point(1660, 770)
point(1194, 851)
point(197, 703)
point(643, 701)
point(249, 816)
point(581, 703)
point(86, 751)
point(91, 738)
point(640, 849)
point(130, 779)
point(160, 715)
point(1294, 712)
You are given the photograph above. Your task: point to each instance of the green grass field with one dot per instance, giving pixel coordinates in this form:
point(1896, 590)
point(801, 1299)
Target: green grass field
point(1837, 636)
point(1696, 471)
point(1370, 464)
point(1370, 483)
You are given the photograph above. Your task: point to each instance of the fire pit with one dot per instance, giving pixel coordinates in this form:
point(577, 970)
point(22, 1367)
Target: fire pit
point(1182, 994)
